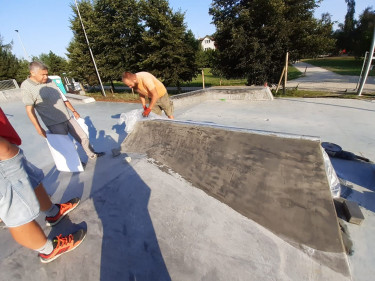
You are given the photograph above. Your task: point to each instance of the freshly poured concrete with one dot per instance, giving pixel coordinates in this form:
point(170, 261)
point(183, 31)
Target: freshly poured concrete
point(146, 224)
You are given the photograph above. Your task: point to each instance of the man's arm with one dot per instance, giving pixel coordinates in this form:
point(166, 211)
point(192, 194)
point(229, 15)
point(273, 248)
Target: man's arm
point(154, 97)
point(70, 106)
point(32, 116)
point(7, 150)
point(143, 101)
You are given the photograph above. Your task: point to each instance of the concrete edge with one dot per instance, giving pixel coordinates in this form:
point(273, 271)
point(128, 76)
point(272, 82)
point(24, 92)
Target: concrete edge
point(79, 98)
point(222, 93)
point(237, 129)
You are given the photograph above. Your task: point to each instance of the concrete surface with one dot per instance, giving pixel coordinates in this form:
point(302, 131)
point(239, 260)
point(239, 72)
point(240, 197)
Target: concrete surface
point(317, 78)
point(278, 182)
point(222, 93)
point(148, 224)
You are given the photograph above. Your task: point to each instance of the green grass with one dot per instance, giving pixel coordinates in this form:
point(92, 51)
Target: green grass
point(293, 73)
point(340, 65)
point(116, 97)
point(211, 80)
point(321, 94)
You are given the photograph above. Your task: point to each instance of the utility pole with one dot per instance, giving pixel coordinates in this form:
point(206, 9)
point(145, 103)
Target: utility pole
point(368, 65)
point(26, 55)
point(286, 72)
point(91, 54)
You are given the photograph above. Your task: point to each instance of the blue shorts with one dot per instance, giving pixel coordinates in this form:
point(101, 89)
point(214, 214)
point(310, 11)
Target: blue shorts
point(18, 179)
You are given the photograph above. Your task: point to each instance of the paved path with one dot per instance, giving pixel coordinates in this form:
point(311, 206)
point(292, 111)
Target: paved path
point(318, 78)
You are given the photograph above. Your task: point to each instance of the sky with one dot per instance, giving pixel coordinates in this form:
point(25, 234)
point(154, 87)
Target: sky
point(43, 25)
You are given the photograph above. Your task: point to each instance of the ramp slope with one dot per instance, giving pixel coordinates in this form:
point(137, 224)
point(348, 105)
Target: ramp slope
point(278, 182)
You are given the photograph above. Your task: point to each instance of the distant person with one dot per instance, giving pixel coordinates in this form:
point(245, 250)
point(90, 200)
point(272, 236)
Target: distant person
point(23, 196)
point(147, 85)
point(42, 94)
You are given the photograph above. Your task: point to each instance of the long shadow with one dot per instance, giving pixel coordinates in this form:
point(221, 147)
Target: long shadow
point(130, 249)
point(119, 129)
point(327, 104)
point(358, 173)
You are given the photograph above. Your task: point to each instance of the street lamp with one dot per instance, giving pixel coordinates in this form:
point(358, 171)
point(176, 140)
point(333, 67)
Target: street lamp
point(27, 56)
point(88, 45)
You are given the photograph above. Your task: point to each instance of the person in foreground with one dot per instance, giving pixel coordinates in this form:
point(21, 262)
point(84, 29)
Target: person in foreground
point(147, 85)
point(22, 197)
point(41, 93)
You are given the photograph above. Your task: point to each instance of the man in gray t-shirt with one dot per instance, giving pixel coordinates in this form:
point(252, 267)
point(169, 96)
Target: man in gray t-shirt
point(41, 94)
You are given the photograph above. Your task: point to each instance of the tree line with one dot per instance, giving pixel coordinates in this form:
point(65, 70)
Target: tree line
point(252, 38)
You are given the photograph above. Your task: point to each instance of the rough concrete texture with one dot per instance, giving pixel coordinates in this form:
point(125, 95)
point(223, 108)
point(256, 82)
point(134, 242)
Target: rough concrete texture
point(278, 182)
point(222, 93)
point(10, 95)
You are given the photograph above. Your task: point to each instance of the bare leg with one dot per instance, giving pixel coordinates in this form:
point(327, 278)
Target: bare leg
point(29, 235)
point(171, 117)
point(43, 198)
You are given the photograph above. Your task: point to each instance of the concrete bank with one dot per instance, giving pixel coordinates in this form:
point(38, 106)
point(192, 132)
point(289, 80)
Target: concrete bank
point(278, 182)
point(222, 93)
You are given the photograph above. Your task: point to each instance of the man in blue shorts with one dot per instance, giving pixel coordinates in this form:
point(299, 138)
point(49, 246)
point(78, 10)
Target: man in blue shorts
point(22, 197)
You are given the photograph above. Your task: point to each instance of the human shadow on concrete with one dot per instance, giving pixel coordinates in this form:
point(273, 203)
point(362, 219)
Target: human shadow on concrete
point(357, 172)
point(130, 249)
point(119, 129)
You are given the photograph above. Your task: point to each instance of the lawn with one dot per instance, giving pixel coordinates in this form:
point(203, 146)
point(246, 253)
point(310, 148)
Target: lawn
point(211, 80)
point(320, 94)
point(344, 65)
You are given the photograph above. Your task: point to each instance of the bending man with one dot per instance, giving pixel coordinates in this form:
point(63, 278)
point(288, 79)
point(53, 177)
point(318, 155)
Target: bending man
point(147, 85)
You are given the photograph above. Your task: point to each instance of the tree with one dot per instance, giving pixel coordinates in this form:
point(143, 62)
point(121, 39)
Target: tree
point(117, 37)
point(56, 65)
point(169, 50)
point(345, 34)
point(252, 37)
point(8, 61)
point(80, 64)
point(22, 71)
point(205, 58)
point(364, 32)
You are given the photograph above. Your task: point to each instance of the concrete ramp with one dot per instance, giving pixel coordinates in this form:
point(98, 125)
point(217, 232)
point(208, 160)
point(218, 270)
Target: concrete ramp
point(253, 93)
point(278, 181)
point(10, 95)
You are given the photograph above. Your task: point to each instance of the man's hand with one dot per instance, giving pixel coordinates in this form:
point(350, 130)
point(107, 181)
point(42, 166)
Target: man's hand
point(76, 114)
point(144, 107)
point(42, 132)
point(146, 112)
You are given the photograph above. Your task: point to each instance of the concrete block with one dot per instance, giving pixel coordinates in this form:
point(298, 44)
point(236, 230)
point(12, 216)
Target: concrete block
point(78, 98)
point(353, 212)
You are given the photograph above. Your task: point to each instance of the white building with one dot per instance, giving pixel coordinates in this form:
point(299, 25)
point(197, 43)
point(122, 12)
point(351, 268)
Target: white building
point(207, 43)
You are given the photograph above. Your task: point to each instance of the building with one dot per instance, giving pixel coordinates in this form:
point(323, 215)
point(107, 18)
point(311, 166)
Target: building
point(207, 43)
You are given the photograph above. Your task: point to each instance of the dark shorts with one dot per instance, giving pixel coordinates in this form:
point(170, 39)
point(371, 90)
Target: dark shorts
point(164, 103)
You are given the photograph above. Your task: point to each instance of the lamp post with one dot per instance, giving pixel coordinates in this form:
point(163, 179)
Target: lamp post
point(88, 45)
point(27, 56)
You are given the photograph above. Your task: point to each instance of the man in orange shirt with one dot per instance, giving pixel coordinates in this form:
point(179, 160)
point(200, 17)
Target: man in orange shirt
point(147, 85)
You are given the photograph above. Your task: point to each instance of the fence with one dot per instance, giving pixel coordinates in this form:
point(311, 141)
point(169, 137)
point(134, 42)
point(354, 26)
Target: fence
point(8, 85)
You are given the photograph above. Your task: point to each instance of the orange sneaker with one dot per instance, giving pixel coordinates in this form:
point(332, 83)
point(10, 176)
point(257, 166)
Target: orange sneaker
point(62, 245)
point(65, 208)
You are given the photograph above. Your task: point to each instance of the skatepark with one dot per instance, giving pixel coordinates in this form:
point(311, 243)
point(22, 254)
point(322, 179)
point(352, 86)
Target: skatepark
point(234, 189)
